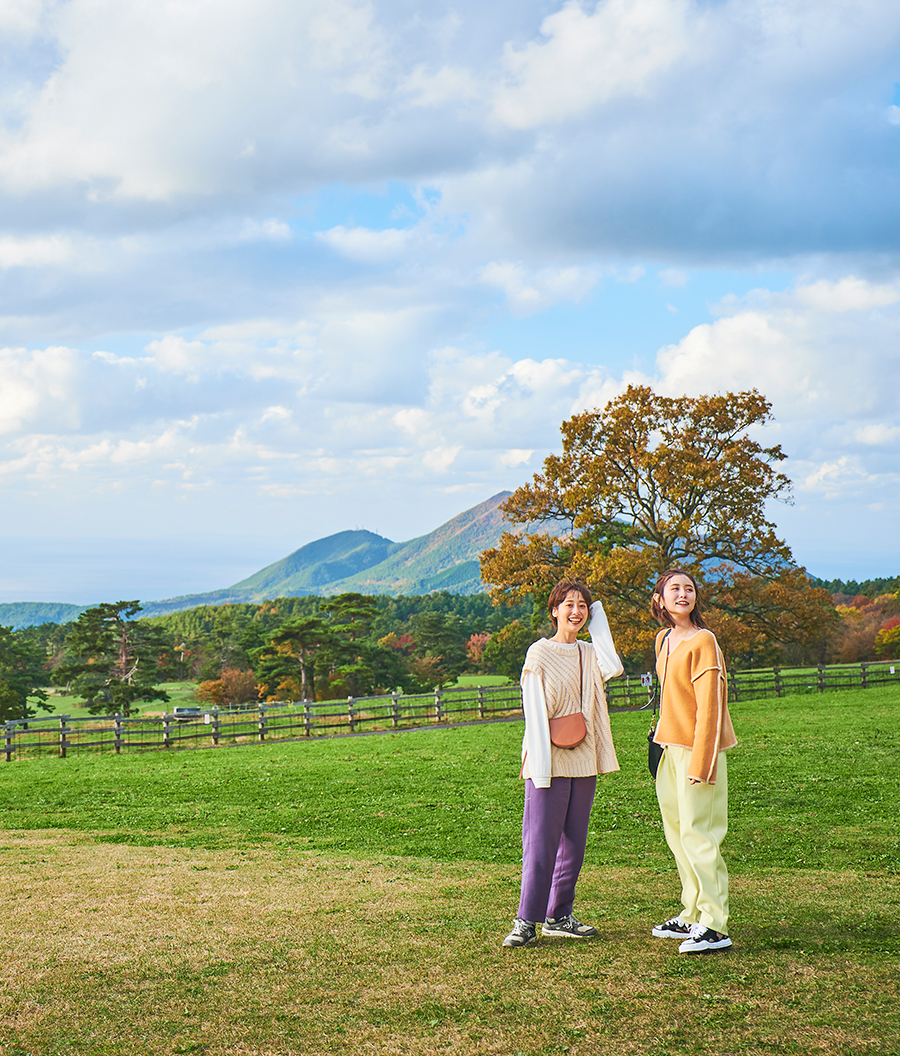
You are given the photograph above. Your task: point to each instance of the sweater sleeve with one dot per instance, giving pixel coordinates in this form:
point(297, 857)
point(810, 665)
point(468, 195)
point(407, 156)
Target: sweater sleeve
point(537, 730)
point(604, 647)
point(707, 678)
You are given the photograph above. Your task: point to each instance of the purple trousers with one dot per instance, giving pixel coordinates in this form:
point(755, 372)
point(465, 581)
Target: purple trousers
point(554, 837)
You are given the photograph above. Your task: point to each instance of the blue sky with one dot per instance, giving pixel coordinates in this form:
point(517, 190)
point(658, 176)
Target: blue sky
point(273, 270)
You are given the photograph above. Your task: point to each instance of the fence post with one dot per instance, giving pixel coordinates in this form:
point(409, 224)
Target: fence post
point(777, 674)
point(10, 733)
point(863, 670)
point(480, 702)
point(118, 733)
point(395, 708)
point(306, 722)
point(167, 731)
point(351, 714)
point(438, 704)
point(821, 679)
point(261, 725)
point(733, 687)
point(215, 727)
point(63, 730)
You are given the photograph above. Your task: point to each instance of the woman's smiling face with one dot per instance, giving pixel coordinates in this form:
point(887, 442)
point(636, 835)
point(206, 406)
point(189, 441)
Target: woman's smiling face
point(679, 596)
point(572, 612)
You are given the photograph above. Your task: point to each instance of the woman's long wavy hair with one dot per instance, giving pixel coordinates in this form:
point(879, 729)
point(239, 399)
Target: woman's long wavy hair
point(659, 611)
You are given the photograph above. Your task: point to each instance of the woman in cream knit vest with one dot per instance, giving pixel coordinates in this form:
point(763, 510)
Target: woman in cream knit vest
point(562, 676)
point(692, 780)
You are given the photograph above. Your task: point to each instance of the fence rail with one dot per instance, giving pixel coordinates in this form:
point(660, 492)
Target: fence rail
point(65, 734)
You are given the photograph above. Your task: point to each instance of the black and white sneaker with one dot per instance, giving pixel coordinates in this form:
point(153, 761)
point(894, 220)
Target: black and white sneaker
point(704, 940)
point(674, 928)
point(569, 927)
point(523, 932)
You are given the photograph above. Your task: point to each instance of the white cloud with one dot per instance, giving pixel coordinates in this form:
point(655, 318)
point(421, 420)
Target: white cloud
point(449, 84)
point(364, 244)
point(849, 294)
point(34, 252)
point(530, 290)
point(38, 388)
point(20, 16)
point(877, 434)
point(516, 456)
point(152, 100)
point(266, 230)
point(440, 459)
point(588, 58)
point(824, 353)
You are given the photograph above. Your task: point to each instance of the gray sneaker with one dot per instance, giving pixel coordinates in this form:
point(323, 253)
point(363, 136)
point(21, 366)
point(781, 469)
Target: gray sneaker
point(569, 927)
point(523, 932)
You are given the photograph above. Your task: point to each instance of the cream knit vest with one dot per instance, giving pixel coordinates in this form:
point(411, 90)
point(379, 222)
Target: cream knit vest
point(558, 669)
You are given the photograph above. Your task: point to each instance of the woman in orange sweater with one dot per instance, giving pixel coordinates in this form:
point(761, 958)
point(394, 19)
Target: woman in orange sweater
point(692, 780)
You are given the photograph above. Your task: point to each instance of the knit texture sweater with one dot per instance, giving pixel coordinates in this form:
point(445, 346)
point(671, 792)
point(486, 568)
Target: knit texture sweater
point(694, 702)
point(557, 667)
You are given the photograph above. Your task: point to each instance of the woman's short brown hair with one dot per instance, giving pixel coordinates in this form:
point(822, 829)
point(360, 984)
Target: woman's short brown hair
point(562, 590)
point(659, 611)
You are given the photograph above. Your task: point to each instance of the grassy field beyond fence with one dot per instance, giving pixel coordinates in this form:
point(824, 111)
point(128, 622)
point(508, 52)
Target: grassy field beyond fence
point(349, 895)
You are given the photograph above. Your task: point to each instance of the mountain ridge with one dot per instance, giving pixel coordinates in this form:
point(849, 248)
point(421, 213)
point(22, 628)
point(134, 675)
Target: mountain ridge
point(357, 560)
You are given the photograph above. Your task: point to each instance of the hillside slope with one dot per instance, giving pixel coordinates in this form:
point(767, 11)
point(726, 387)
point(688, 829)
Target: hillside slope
point(445, 559)
point(319, 563)
point(18, 614)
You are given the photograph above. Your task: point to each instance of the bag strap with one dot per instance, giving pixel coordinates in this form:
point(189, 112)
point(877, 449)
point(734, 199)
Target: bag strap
point(580, 676)
point(657, 702)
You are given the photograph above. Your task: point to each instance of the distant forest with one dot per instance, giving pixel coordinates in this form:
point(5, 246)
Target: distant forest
point(867, 588)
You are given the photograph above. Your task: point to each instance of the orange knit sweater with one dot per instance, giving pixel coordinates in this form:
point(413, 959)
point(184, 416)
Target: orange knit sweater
point(694, 704)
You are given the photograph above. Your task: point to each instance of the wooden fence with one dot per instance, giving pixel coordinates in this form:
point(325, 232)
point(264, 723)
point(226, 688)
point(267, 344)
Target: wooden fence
point(65, 734)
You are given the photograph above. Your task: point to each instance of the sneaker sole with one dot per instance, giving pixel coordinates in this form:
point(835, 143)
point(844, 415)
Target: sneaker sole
point(566, 935)
point(518, 945)
point(719, 947)
point(669, 934)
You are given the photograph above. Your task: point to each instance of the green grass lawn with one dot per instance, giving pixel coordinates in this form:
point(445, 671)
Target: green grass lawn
point(350, 895)
point(179, 693)
point(480, 680)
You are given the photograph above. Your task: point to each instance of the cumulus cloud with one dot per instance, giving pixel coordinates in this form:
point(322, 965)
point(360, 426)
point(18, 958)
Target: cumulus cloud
point(589, 57)
point(824, 353)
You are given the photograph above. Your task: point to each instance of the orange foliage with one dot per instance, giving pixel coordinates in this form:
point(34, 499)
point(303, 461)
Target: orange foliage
point(233, 687)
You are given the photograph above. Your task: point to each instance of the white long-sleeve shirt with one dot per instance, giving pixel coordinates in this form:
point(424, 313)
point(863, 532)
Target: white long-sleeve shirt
point(536, 743)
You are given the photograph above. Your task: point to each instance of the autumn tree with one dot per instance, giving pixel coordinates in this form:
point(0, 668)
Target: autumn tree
point(887, 641)
point(234, 686)
point(113, 660)
point(653, 482)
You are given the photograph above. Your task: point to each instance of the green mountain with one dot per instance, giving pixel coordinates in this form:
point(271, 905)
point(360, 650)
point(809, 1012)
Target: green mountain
point(18, 614)
point(312, 567)
point(445, 559)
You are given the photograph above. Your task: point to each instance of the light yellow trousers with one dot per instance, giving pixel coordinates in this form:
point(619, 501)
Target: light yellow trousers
point(695, 819)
